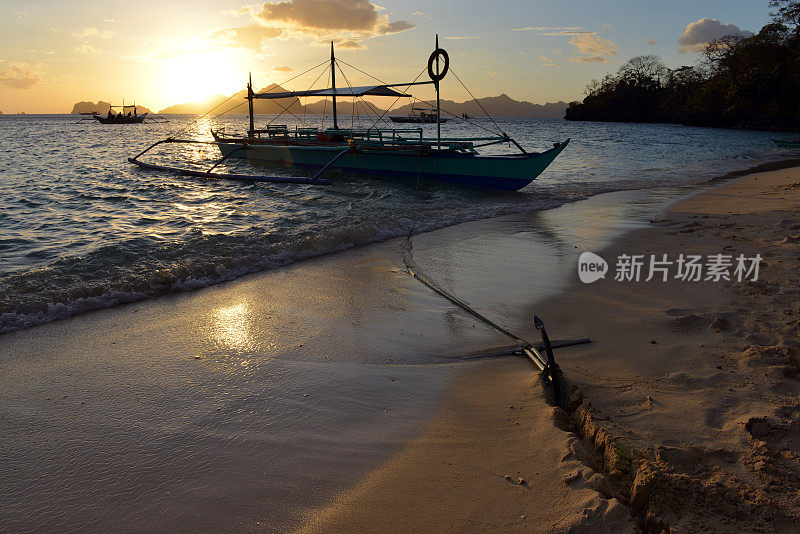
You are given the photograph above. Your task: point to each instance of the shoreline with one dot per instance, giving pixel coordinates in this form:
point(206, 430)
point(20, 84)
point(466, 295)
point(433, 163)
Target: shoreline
point(315, 373)
point(618, 443)
point(55, 304)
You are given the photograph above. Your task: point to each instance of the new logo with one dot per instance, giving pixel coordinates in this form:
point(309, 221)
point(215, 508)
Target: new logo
point(591, 267)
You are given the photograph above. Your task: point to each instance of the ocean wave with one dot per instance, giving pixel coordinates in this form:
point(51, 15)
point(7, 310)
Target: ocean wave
point(86, 230)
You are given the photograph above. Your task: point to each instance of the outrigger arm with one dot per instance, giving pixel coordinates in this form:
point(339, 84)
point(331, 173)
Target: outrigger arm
point(316, 180)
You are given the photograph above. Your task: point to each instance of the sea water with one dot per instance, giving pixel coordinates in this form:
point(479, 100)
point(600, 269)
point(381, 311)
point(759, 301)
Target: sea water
point(245, 405)
point(81, 228)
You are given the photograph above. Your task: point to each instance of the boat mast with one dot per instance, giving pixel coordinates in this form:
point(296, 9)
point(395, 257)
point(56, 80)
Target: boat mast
point(333, 86)
point(438, 109)
point(251, 133)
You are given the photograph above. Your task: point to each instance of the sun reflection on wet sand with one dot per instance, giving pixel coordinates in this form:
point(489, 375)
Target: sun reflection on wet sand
point(232, 326)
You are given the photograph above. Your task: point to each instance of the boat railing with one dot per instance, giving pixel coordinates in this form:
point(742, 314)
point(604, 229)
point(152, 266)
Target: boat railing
point(276, 130)
point(381, 136)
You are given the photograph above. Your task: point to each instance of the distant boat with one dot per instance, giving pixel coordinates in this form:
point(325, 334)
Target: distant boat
point(426, 116)
point(789, 142)
point(121, 117)
point(374, 151)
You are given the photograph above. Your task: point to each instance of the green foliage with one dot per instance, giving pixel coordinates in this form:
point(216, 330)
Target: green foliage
point(788, 13)
point(749, 82)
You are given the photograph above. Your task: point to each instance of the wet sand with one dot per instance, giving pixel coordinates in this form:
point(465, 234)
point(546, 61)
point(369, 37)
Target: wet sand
point(682, 411)
point(244, 405)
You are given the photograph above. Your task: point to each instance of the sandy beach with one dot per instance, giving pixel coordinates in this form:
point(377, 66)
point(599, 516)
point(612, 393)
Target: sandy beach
point(244, 405)
point(682, 413)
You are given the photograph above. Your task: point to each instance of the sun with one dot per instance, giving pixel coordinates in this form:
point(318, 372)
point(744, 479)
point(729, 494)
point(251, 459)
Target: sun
point(198, 75)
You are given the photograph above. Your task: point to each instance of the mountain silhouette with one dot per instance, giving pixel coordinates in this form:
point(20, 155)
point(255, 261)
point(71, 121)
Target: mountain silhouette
point(497, 106)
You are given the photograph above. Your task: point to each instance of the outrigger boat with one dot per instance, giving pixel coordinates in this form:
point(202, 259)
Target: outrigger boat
point(426, 116)
point(121, 117)
point(372, 151)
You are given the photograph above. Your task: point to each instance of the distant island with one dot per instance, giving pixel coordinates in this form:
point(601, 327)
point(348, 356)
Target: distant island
point(498, 106)
point(101, 108)
point(742, 82)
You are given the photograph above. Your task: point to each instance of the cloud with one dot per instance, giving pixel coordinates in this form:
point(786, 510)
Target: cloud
point(348, 22)
point(19, 75)
point(555, 30)
point(587, 59)
point(546, 28)
point(460, 37)
point(595, 49)
point(87, 49)
point(283, 69)
point(252, 36)
point(651, 42)
point(568, 32)
point(349, 44)
point(698, 34)
point(546, 61)
point(421, 14)
point(320, 16)
point(395, 27)
point(93, 32)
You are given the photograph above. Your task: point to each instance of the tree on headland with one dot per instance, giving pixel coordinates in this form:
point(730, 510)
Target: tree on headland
point(788, 13)
point(741, 82)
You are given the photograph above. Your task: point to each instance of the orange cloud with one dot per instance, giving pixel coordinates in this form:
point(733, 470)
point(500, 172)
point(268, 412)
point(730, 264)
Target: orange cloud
point(252, 36)
point(19, 75)
point(595, 48)
point(348, 22)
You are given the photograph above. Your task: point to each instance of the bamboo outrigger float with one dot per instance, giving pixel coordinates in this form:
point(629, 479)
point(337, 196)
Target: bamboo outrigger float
point(404, 153)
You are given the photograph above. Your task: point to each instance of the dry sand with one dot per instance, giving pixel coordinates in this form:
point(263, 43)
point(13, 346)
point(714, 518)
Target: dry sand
point(684, 408)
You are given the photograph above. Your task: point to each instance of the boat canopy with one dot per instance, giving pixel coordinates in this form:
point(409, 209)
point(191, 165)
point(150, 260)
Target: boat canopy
point(367, 90)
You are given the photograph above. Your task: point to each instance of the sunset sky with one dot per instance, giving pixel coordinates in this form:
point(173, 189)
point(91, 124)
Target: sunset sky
point(55, 53)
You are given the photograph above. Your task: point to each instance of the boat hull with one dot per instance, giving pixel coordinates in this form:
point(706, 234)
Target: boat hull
point(120, 119)
point(417, 120)
point(508, 173)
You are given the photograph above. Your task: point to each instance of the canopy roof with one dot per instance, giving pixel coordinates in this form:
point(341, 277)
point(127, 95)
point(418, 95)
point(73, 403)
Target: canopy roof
point(367, 90)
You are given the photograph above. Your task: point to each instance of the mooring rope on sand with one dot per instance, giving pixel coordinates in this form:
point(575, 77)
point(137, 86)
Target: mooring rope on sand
point(415, 273)
point(545, 362)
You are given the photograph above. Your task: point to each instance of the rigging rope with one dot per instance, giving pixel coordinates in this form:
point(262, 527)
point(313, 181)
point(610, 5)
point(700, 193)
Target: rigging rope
point(454, 115)
point(325, 103)
point(309, 88)
point(476, 101)
point(181, 130)
point(209, 112)
point(430, 104)
point(347, 81)
point(396, 99)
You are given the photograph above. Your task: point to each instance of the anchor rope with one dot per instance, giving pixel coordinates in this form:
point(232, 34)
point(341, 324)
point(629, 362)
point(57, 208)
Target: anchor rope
point(416, 273)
